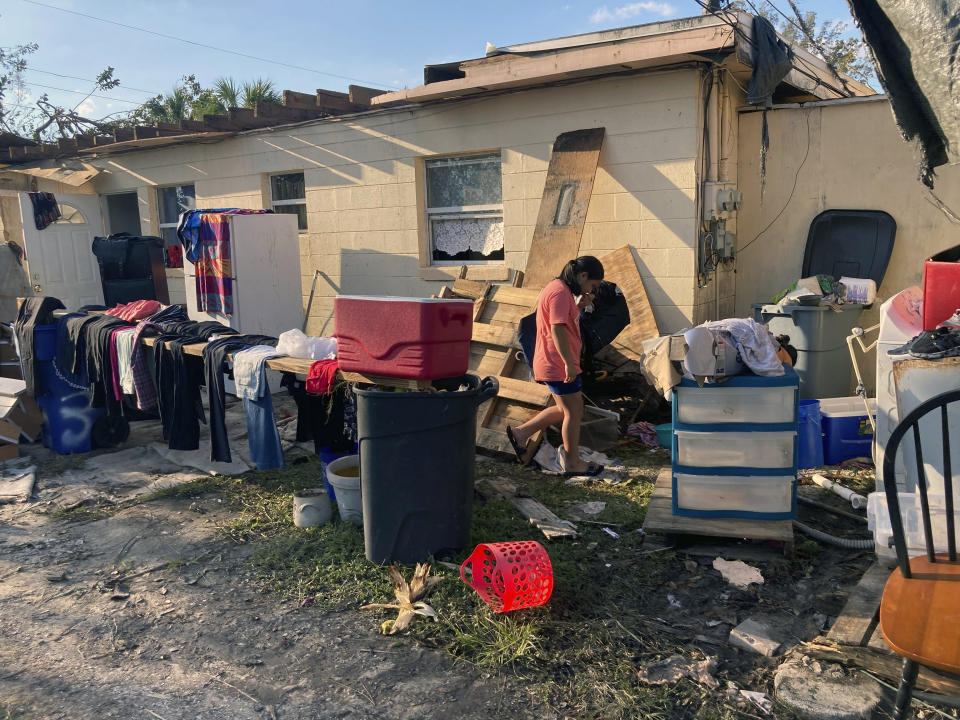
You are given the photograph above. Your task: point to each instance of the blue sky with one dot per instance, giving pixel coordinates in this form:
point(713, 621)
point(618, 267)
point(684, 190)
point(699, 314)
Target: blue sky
point(384, 44)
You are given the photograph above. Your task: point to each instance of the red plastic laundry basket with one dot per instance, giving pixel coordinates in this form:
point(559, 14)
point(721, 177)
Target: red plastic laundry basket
point(510, 575)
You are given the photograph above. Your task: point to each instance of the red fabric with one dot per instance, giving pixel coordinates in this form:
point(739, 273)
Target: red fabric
point(136, 310)
point(321, 377)
point(556, 306)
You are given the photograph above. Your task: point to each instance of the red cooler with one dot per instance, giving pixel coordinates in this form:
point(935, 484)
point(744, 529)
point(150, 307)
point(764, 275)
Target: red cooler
point(421, 339)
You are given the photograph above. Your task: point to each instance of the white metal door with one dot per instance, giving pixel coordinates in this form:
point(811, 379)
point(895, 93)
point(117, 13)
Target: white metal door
point(60, 257)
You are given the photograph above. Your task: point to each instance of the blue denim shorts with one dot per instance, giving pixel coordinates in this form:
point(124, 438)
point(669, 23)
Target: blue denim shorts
point(566, 388)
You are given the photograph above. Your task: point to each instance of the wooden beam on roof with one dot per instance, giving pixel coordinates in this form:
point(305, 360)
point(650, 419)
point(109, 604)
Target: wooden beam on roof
point(123, 134)
point(280, 114)
point(99, 140)
point(17, 152)
point(335, 102)
point(360, 95)
point(294, 99)
point(512, 71)
point(193, 126)
point(220, 123)
point(83, 141)
point(145, 131)
point(67, 145)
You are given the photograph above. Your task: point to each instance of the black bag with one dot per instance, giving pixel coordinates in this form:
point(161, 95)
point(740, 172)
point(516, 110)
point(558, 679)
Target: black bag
point(609, 317)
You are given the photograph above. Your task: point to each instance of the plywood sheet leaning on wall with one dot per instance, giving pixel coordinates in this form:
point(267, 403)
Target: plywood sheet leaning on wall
point(620, 268)
point(493, 351)
point(563, 206)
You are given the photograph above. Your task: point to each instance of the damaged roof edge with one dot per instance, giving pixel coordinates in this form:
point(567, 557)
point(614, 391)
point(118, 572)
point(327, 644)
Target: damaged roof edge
point(608, 51)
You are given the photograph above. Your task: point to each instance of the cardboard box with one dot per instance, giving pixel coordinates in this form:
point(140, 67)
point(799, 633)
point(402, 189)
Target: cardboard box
point(11, 370)
point(941, 287)
point(10, 432)
point(9, 452)
point(28, 416)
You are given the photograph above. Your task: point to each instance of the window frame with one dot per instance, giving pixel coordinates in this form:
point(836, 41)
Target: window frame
point(160, 224)
point(461, 212)
point(297, 201)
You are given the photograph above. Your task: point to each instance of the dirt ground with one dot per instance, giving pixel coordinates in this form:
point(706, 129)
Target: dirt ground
point(119, 601)
point(150, 613)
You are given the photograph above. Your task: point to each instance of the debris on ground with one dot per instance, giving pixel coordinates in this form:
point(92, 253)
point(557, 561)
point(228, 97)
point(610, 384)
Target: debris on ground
point(584, 510)
point(755, 636)
point(830, 694)
point(409, 597)
point(737, 572)
point(677, 667)
point(16, 483)
point(759, 699)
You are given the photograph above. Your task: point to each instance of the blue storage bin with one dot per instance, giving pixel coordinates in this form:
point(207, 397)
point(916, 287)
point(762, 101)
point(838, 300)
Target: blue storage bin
point(44, 342)
point(810, 435)
point(847, 432)
point(68, 422)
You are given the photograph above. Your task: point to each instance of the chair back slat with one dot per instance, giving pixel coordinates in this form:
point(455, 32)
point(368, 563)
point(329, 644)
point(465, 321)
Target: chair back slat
point(911, 423)
point(922, 488)
point(948, 486)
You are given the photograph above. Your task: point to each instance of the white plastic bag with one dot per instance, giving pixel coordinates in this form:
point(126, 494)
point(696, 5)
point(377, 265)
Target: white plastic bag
point(295, 344)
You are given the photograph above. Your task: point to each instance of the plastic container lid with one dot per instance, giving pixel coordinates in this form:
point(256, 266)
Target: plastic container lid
point(855, 243)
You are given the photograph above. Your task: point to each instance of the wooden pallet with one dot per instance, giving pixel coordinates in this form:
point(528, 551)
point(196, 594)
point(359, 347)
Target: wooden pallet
point(855, 638)
point(493, 351)
point(661, 520)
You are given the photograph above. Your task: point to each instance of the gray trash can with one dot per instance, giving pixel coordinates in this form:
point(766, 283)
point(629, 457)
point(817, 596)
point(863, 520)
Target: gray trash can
point(819, 334)
point(417, 457)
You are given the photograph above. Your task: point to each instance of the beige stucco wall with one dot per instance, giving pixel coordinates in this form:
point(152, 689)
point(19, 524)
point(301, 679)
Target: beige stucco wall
point(856, 159)
point(364, 216)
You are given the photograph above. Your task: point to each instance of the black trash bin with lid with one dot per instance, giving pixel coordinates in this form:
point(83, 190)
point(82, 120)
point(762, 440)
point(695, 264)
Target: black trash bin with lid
point(417, 457)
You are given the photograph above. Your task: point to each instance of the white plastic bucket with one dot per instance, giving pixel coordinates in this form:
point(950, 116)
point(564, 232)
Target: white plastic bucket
point(311, 508)
point(346, 489)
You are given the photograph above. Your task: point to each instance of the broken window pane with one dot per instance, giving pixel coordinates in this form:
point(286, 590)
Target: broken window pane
point(467, 238)
point(464, 181)
point(175, 200)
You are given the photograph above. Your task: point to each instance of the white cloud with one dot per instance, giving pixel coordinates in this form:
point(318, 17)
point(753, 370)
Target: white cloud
point(604, 14)
point(87, 107)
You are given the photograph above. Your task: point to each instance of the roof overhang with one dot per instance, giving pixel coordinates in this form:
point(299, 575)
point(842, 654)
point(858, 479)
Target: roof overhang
point(69, 172)
point(155, 142)
point(642, 47)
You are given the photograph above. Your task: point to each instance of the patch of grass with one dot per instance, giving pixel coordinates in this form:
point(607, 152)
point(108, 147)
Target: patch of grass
point(193, 488)
point(81, 513)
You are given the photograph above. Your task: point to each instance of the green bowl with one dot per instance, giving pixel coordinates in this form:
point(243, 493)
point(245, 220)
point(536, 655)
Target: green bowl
point(665, 435)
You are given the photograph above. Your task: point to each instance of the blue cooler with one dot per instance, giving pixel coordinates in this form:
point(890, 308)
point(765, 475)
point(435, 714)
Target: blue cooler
point(847, 432)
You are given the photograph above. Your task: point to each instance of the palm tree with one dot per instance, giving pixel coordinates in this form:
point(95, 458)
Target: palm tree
point(260, 90)
point(227, 92)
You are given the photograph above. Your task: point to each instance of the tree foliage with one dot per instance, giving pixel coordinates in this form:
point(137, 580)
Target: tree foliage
point(190, 101)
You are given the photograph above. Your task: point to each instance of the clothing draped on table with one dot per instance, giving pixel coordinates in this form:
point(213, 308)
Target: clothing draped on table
point(263, 438)
point(214, 354)
point(144, 379)
point(321, 378)
point(325, 419)
point(171, 313)
point(34, 311)
point(136, 310)
point(754, 343)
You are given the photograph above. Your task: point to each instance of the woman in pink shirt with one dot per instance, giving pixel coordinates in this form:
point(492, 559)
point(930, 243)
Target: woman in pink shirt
point(556, 360)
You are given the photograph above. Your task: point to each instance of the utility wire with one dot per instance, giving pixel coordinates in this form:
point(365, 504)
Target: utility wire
point(82, 92)
point(204, 45)
point(74, 77)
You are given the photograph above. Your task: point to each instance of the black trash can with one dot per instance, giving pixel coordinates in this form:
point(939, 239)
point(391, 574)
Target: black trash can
point(417, 456)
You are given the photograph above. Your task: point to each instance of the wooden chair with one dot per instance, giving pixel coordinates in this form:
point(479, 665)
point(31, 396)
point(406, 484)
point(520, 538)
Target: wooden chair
point(920, 608)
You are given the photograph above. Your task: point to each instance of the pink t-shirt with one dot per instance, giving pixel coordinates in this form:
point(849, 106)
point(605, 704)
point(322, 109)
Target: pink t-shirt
point(556, 306)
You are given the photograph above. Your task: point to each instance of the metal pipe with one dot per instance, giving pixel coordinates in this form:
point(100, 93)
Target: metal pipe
point(713, 127)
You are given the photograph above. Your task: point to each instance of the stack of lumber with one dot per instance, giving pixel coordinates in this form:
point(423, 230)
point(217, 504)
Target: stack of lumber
point(20, 418)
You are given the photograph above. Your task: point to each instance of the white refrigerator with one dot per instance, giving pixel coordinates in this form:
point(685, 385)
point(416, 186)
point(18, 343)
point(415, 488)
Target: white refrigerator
point(265, 269)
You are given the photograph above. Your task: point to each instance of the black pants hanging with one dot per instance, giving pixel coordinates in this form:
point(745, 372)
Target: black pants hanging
point(34, 311)
point(214, 354)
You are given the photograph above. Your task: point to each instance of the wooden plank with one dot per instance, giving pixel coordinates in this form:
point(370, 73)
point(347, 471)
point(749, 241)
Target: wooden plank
point(660, 519)
point(481, 303)
point(446, 293)
point(563, 206)
point(506, 367)
point(885, 664)
point(11, 387)
point(473, 289)
point(858, 620)
point(504, 313)
point(523, 391)
point(329, 100)
point(493, 335)
point(404, 383)
point(507, 295)
point(620, 267)
point(294, 99)
point(544, 519)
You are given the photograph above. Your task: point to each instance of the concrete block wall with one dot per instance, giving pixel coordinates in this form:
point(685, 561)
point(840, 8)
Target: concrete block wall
point(364, 196)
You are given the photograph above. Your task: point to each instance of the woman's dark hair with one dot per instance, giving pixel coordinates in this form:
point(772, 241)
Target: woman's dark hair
point(585, 263)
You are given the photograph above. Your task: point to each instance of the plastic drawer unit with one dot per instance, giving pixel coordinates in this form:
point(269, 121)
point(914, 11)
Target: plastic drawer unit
point(735, 447)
